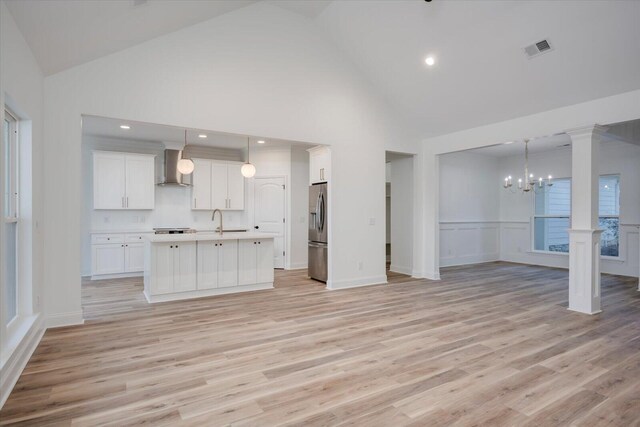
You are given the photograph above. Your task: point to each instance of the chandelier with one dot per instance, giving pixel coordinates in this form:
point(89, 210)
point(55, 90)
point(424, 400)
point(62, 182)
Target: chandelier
point(528, 183)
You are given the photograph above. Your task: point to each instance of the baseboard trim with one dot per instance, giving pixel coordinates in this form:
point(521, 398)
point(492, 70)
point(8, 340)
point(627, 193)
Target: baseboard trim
point(65, 319)
point(297, 267)
point(151, 299)
point(400, 269)
point(16, 363)
point(117, 275)
point(356, 283)
point(453, 262)
point(432, 275)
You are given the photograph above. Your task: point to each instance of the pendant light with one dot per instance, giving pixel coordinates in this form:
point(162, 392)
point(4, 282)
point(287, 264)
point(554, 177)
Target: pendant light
point(248, 170)
point(185, 166)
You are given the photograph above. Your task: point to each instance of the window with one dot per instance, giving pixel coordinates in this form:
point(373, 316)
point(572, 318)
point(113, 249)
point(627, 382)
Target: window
point(609, 215)
point(10, 216)
point(552, 215)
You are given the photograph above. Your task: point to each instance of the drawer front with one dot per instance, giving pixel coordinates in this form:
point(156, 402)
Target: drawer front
point(132, 238)
point(98, 239)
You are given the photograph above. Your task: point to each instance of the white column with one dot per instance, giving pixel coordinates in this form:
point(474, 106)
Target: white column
point(584, 235)
point(431, 224)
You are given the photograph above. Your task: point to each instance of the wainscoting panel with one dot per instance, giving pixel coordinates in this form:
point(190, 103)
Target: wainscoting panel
point(468, 242)
point(515, 246)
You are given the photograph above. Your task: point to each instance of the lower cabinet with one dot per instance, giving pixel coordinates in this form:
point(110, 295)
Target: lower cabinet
point(116, 254)
point(108, 259)
point(174, 267)
point(255, 261)
point(217, 264)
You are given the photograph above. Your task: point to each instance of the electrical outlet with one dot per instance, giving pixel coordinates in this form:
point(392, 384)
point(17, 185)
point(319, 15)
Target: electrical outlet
point(372, 221)
point(360, 265)
point(106, 219)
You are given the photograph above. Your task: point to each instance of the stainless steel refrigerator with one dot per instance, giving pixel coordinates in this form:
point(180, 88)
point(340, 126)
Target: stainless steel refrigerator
point(318, 232)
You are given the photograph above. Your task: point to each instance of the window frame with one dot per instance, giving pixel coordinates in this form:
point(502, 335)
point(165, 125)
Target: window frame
point(11, 214)
point(534, 216)
point(12, 211)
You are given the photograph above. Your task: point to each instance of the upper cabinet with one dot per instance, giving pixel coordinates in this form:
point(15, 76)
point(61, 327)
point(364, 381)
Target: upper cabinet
point(123, 180)
point(319, 164)
point(217, 185)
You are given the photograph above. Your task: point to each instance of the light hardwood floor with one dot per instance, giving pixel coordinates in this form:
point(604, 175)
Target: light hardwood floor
point(490, 344)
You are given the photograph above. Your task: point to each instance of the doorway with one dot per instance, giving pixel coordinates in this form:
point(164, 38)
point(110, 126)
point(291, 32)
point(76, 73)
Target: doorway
point(270, 213)
point(399, 212)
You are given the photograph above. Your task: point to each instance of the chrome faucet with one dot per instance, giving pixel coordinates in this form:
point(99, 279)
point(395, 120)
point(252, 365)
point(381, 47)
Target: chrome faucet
point(213, 218)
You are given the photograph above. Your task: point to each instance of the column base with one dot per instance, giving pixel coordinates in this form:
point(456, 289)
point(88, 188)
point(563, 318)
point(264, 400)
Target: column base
point(584, 271)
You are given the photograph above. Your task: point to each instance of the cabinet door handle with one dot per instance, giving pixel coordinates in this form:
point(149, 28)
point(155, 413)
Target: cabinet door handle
point(122, 246)
point(122, 202)
point(127, 201)
point(171, 247)
point(195, 203)
point(176, 246)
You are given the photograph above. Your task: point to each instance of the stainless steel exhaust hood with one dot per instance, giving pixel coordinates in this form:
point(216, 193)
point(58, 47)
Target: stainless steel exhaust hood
point(172, 175)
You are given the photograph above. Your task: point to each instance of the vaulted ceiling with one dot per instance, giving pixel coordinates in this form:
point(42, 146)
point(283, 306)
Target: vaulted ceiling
point(481, 74)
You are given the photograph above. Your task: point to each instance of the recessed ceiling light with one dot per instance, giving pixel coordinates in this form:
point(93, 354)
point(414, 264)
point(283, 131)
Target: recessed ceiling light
point(202, 135)
point(260, 142)
point(430, 61)
point(125, 127)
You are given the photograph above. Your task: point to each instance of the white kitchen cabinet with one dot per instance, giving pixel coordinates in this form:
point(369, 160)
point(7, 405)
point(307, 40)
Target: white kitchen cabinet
point(174, 267)
point(219, 181)
point(319, 164)
point(184, 267)
point(116, 254)
point(201, 182)
point(140, 186)
point(133, 257)
point(255, 261)
point(108, 180)
point(235, 187)
point(217, 264)
point(123, 181)
point(108, 259)
point(217, 185)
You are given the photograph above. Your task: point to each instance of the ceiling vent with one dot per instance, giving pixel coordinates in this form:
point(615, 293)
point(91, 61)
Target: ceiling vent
point(538, 49)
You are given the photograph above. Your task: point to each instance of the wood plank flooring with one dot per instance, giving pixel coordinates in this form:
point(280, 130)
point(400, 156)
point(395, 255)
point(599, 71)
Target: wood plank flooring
point(490, 344)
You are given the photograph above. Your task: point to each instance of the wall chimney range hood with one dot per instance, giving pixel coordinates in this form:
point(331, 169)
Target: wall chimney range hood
point(172, 175)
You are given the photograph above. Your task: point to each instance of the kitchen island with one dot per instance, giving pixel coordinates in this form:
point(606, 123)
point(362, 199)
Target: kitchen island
point(183, 266)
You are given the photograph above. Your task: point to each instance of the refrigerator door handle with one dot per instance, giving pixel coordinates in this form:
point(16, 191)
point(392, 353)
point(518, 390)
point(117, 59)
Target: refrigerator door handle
point(318, 213)
point(322, 212)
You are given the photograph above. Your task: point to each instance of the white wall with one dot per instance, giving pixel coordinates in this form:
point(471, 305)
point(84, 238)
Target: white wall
point(401, 171)
point(21, 88)
point(250, 72)
point(299, 216)
point(469, 208)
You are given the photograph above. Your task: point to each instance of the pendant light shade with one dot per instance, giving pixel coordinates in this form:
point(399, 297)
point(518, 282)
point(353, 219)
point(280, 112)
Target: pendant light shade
point(248, 170)
point(185, 166)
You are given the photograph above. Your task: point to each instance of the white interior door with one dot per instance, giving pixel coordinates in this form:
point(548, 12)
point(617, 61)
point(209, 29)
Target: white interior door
point(269, 214)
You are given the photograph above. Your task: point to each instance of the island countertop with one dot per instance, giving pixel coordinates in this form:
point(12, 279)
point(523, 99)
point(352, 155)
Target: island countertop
point(207, 236)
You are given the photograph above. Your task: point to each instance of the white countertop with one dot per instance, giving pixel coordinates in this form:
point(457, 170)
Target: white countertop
point(207, 236)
